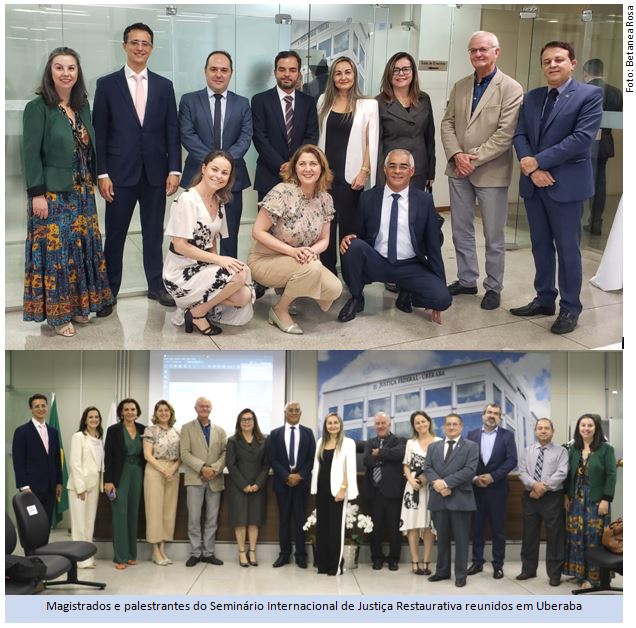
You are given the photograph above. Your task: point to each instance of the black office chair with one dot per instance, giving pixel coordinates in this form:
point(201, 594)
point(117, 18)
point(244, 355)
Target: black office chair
point(33, 528)
point(607, 562)
point(55, 565)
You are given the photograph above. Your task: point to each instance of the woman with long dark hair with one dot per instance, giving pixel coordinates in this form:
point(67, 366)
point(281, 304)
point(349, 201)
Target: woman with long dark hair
point(590, 490)
point(65, 270)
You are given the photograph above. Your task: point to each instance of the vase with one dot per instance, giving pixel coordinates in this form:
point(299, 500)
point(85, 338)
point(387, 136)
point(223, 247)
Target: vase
point(350, 554)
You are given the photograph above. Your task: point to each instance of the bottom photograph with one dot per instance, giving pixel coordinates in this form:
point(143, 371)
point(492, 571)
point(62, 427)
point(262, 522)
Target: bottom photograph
point(379, 473)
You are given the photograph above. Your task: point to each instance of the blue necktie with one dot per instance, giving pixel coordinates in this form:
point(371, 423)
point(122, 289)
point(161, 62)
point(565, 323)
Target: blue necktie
point(292, 448)
point(549, 106)
point(393, 224)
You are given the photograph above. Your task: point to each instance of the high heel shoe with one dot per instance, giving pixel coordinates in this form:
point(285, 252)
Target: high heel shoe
point(210, 330)
point(272, 319)
point(251, 558)
point(415, 568)
point(241, 563)
point(426, 571)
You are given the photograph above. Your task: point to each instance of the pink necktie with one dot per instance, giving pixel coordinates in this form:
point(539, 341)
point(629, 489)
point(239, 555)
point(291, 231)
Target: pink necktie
point(44, 435)
point(140, 98)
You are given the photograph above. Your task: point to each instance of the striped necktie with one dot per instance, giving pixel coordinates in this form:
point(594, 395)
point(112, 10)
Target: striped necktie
point(538, 468)
point(377, 470)
point(289, 118)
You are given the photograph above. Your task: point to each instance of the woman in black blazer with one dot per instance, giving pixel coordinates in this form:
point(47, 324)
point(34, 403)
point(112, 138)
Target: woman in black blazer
point(65, 270)
point(123, 478)
point(406, 119)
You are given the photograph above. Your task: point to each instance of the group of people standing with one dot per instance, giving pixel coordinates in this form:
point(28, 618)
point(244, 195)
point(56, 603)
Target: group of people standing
point(314, 161)
point(426, 487)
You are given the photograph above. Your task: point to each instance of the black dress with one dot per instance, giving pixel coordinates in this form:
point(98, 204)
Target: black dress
point(345, 200)
point(328, 520)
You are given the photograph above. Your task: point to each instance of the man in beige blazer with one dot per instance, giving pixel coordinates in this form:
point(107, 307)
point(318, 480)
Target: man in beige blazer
point(477, 131)
point(203, 454)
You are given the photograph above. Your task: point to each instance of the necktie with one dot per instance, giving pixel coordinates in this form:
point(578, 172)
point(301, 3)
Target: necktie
point(451, 444)
point(216, 145)
point(289, 118)
point(549, 106)
point(538, 468)
point(393, 223)
point(44, 435)
point(377, 470)
point(140, 98)
point(292, 447)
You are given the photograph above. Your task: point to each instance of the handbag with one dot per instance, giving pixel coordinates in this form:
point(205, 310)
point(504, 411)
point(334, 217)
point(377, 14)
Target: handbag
point(613, 537)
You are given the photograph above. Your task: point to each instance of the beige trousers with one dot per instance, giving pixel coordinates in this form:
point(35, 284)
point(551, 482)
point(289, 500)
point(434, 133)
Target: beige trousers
point(160, 496)
point(83, 518)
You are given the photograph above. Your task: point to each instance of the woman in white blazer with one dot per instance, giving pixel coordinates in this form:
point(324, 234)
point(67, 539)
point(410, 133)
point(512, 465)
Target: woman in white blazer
point(85, 481)
point(334, 483)
point(349, 135)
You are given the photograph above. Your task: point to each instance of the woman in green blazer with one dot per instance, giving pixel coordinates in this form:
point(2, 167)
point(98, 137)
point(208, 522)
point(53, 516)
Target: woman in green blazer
point(65, 272)
point(590, 489)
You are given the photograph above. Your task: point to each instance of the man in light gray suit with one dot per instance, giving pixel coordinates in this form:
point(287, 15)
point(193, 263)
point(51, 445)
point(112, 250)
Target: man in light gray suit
point(203, 447)
point(217, 119)
point(450, 467)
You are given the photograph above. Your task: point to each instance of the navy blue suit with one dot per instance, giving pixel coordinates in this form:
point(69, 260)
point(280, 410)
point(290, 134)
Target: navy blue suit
point(33, 467)
point(270, 136)
point(197, 137)
point(137, 159)
point(292, 501)
point(422, 275)
point(492, 500)
point(555, 212)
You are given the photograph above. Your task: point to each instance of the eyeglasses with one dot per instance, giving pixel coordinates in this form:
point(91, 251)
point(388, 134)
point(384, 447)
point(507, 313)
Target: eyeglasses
point(406, 70)
point(481, 51)
point(248, 419)
point(139, 42)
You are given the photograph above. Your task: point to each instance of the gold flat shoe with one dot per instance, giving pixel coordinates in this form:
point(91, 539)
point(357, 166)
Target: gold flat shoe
point(294, 328)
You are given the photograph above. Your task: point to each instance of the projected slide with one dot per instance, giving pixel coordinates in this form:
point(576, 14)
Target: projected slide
point(232, 380)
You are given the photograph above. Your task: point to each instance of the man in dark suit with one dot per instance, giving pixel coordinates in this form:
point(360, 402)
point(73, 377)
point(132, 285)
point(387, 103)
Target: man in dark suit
point(397, 240)
point(284, 119)
point(138, 157)
point(205, 129)
point(603, 148)
point(383, 456)
point(36, 457)
point(450, 466)
point(556, 128)
point(497, 458)
point(290, 451)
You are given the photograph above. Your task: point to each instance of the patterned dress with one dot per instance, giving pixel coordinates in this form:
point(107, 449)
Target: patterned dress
point(65, 270)
point(189, 281)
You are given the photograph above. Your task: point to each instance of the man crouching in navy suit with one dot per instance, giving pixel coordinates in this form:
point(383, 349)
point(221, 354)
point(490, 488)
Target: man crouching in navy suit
point(290, 450)
point(398, 241)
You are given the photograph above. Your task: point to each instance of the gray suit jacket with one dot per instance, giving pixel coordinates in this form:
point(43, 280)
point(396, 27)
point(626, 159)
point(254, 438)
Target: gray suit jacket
point(195, 452)
point(458, 473)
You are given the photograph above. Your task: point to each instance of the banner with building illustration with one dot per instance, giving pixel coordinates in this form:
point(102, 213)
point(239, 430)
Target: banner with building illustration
point(359, 384)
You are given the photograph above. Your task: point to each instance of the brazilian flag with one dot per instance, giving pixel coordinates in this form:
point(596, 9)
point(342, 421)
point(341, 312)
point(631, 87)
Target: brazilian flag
point(62, 505)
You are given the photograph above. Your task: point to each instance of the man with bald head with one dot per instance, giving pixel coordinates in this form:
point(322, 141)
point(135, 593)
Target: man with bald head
point(383, 456)
point(203, 447)
point(290, 451)
point(477, 132)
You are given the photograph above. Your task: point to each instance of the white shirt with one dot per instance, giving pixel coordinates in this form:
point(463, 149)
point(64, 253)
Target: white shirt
point(404, 246)
point(212, 102)
point(282, 95)
point(296, 442)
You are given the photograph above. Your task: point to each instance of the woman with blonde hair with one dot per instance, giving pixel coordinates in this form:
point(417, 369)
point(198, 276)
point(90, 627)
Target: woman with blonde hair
point(349, 128)
point(161, 479)
point(334, 483)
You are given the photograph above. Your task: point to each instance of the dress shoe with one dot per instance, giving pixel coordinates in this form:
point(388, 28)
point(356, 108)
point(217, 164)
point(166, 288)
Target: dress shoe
point(107, 310)
point(192, 561)
point(212, 560)
point(555, 581)
point(259, 290)
point(534, 308)
point(456, 288)
point(498, 573)
point(162, 296)
point(301, 562)
point(393, 566)
point(294, 328)
point(565, 323)
point(436, 578)
point(460, 582)
point(474, 568)
point(352, 307)
point(280, 561)
point(377, 564)
point(525, 576)
point(491, 300)
point(404, 302)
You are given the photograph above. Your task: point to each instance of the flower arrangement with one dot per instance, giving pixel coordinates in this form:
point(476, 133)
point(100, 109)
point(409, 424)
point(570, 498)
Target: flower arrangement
point(356, 525)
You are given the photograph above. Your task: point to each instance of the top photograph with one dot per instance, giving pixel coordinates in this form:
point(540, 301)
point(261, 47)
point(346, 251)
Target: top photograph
point(314, 176)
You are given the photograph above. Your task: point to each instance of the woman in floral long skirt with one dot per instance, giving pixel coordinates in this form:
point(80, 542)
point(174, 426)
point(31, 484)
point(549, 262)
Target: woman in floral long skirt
point(65, 272)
